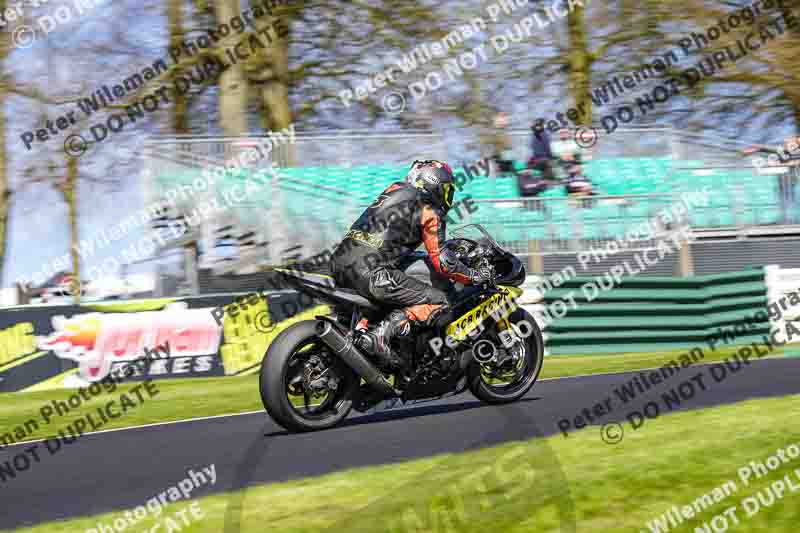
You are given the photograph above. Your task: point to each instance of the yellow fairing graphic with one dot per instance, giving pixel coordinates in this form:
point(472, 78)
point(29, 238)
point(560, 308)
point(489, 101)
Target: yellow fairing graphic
point(499, 306)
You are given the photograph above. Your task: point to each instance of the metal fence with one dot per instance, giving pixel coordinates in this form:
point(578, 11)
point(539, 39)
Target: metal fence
point(692, 146)
point(568, 225)
point(633, 142)
point(296, 216)
point(350, 148)
point(289, 215)
point(743, 196)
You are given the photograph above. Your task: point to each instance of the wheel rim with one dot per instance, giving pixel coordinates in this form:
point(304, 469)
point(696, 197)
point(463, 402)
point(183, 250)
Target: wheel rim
point(514, 374)
point(310, 364)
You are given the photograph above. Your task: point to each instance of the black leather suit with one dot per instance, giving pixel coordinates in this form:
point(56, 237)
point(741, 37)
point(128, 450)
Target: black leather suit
point(396, 223)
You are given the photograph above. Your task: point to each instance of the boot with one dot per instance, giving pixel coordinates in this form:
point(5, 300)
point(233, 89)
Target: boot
point(377, 341)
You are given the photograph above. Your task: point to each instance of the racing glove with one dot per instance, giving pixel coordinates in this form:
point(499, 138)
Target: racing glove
point(481, 275)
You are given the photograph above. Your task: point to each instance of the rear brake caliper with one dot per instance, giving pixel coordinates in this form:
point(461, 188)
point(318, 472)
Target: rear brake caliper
point(318, 378)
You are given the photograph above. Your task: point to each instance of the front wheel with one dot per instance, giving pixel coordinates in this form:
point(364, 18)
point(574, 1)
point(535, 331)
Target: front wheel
point(305, 387)
point(506, 368)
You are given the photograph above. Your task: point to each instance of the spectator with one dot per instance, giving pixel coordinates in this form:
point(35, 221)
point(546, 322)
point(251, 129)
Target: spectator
point(501, 145)
point(569, 155)
point(567, 151)
point(542, 154)
point(541, 160)
point(789, 158)
point(565, 145)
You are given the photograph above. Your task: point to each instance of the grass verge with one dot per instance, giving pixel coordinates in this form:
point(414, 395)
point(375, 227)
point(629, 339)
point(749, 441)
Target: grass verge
point(576, 365)
point(174, 400)
point(672, 460)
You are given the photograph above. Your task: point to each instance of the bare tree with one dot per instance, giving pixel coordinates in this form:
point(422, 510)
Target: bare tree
point(180, 111)
point(5, 189)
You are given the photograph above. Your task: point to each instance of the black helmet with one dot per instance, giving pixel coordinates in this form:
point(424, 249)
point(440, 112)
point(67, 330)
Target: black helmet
point(434, 178)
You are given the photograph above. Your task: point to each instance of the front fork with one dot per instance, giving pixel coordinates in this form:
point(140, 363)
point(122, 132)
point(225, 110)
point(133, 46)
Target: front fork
point(507, 338)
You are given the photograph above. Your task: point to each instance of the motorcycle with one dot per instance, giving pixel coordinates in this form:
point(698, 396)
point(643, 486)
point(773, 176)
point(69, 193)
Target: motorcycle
point(314, 374)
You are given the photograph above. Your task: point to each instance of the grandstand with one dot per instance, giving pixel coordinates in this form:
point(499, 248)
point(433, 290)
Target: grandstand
point(305, 209)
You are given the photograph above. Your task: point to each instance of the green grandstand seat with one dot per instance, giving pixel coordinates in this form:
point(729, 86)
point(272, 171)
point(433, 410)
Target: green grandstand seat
point(557, 210)
point(506, 188)
point(591, 231)
point(531, 216)
point(698, 217)
point(505, 215)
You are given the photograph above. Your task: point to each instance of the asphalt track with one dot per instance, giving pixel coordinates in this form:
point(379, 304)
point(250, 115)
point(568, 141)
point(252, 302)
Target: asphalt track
point(120, 470)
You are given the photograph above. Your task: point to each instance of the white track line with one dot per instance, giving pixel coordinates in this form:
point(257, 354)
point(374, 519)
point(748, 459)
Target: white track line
point(143, 426)
point(155, 424)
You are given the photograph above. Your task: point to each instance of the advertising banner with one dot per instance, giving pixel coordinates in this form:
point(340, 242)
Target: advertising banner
point(57, 346)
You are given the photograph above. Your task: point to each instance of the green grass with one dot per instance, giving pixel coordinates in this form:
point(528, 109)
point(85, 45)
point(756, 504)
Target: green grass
point(175, 400)
point(574, 365)
point(525, 486)
point(193, 398)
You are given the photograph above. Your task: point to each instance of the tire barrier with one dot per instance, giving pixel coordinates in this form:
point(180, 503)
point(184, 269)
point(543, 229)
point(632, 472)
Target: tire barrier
point(641, 314)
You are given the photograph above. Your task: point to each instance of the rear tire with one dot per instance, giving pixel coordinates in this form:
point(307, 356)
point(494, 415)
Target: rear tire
point(533, 359)
point(275, 368)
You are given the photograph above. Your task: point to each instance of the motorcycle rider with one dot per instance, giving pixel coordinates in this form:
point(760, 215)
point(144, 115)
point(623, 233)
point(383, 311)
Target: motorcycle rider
point(404, 216)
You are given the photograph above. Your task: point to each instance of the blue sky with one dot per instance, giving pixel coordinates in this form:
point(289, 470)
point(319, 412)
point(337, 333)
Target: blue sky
point(38, 224)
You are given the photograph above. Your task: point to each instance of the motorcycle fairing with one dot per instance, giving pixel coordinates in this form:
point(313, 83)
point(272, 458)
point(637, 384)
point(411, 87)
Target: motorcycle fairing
point(498, 306)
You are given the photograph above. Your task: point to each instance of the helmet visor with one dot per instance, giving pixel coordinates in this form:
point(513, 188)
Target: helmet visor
point(449, 192)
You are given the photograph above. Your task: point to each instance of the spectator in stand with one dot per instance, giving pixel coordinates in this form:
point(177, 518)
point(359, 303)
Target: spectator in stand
point(788, 157)
point(541, 152)
point(565, 149)
point(500, 142)
point(541, 160)
point(570, 157)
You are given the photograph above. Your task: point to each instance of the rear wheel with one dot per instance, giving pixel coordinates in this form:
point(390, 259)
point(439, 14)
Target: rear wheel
point(506, 365)
point(304, 387)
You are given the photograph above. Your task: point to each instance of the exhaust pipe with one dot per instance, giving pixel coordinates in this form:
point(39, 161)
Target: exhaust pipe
point(345, 348)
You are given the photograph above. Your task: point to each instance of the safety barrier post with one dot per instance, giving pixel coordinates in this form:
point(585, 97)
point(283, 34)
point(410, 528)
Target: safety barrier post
point(535, 260)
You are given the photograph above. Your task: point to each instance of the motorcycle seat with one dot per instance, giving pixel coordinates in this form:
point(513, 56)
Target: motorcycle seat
point(325, 285)
point(352, 297)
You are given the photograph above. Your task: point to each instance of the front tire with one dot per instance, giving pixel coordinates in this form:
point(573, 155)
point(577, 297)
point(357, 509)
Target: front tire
point(532, 346)
point(284, 361)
